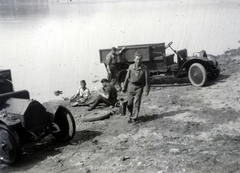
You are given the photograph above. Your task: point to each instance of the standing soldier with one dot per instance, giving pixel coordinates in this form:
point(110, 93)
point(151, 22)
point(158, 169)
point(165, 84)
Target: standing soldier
point(137, 79)
point(111, 61)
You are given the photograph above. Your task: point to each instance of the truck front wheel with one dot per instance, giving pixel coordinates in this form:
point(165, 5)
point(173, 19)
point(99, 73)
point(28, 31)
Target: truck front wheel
point(197, 74)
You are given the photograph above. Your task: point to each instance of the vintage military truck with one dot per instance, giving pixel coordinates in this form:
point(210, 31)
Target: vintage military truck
point(23, 120)
point(198, 68)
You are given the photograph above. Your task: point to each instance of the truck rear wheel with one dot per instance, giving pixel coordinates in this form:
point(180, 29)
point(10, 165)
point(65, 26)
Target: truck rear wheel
point(10, 145)
point(197, 74)
point(121, 77)
point(65, 121)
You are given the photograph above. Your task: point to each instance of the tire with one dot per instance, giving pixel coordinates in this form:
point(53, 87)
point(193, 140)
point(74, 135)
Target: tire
point(121, 77)
point(214, 75)
point(197, 74)
point(96, 116)
point(10, 145)
point(65, 121)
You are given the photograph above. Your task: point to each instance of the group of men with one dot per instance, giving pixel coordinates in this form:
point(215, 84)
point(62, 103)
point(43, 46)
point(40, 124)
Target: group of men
point(137, 80)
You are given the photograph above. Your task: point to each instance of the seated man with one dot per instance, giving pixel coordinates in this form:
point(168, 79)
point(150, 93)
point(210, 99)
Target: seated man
point(108, 95)
point(82, 96)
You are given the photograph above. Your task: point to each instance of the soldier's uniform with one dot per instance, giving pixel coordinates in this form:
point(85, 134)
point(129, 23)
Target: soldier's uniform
point(137, 79)
point(111, 91)
point(111, 60)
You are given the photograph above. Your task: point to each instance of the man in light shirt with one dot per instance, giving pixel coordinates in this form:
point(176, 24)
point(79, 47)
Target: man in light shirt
point(82, 96)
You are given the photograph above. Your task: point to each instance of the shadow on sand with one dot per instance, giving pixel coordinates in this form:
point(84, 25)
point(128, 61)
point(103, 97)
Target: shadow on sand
point(36, 152)
point(170, 81)
point(221, 79)
point(85, 135)
point(148, 118)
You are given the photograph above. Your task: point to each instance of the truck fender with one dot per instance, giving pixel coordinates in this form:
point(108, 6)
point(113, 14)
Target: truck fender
point(51, 109)
point(214, 59)
point(188, 63)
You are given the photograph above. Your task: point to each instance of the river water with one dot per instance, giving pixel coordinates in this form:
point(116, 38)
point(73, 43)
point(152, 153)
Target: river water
point(51, 46)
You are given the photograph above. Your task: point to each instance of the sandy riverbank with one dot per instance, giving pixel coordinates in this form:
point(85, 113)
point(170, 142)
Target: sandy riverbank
point(181, 129)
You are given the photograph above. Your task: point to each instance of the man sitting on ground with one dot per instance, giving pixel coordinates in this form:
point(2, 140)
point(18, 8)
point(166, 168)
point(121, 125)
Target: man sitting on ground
point(82, 96)
point(107, 95)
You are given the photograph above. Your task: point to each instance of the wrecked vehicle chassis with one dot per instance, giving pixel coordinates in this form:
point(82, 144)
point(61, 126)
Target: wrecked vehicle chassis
point(23, 120)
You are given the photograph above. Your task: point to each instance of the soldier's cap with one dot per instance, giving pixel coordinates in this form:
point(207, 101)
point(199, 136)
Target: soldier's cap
point(104, 80)
point(137, 54)
point(114, 48)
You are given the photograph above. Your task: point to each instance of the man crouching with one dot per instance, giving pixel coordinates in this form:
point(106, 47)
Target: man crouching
point(107, 95)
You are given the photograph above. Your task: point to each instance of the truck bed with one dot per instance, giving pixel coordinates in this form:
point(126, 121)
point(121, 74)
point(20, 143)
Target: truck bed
point(150, 52)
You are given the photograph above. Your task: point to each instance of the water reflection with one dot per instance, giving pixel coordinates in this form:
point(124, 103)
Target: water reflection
point(23, 1)
point(52, 46)
point(23, 11)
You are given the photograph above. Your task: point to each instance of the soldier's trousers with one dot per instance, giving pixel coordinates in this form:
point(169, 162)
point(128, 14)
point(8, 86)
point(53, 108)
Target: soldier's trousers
point(134, 95)
point(113, 75)
point(101, 99)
